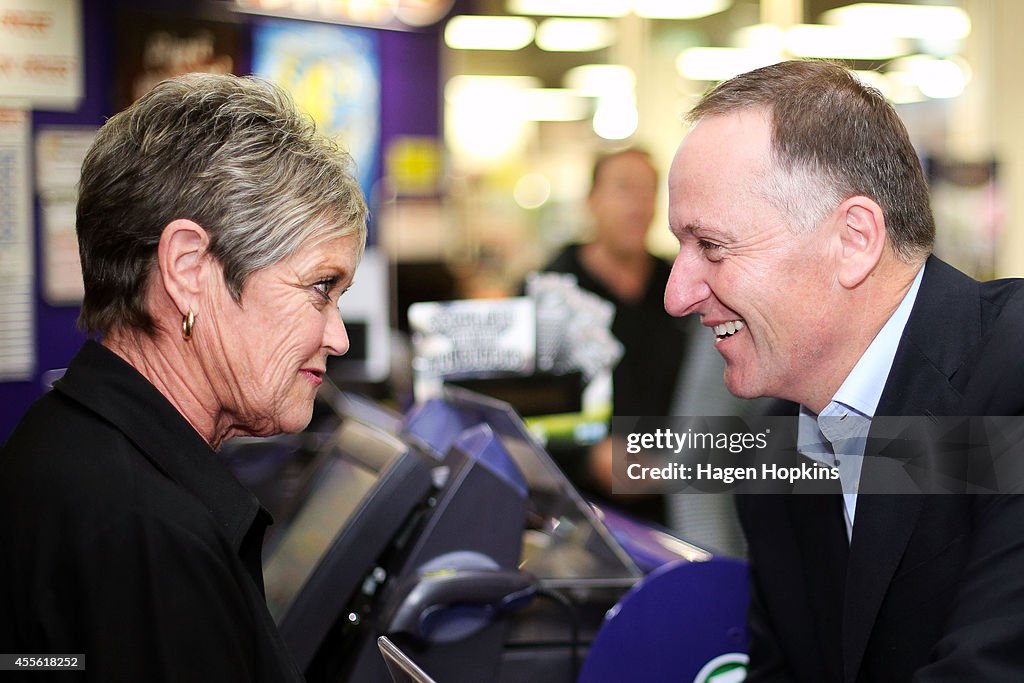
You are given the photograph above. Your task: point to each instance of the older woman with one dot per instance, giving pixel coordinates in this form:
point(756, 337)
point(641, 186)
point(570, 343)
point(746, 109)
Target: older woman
point(217, 231)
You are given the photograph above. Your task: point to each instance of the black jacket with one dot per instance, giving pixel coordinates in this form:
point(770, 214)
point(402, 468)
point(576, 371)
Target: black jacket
point(126, 540)
point(929, 587)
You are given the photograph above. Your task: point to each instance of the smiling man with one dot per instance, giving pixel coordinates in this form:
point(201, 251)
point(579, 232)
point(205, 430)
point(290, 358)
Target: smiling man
point(805, 234)
point(783, 293)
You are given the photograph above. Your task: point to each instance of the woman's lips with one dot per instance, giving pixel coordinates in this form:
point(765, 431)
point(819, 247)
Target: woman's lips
point(314, 376)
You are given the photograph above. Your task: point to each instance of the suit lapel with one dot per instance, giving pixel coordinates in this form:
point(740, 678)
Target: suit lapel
point(821, 537)
point(925, 379)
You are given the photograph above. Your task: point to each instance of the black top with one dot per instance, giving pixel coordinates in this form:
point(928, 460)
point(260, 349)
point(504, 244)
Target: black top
point(644, 381)
point(126, 539)
point(655, 342)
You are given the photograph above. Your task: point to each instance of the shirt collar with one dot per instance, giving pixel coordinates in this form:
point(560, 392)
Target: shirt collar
point(862, 388)
point(106, 384)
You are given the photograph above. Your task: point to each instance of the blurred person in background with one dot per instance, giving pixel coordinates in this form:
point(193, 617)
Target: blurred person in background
point(616, 266)
point(217, 231)
point(805, 237)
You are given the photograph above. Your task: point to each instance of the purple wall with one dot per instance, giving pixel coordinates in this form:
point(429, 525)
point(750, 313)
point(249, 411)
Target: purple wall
point(57, 338)
point(410, 105)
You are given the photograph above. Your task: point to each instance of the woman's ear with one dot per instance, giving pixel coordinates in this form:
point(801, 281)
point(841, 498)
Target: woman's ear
point(862, 237)
point(182, 263)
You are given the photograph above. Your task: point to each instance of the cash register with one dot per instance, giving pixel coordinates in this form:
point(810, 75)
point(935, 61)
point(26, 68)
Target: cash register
point(452, 532)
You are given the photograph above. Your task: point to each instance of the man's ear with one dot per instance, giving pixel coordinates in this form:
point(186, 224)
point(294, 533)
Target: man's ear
point(862, 238)
point(181, 259)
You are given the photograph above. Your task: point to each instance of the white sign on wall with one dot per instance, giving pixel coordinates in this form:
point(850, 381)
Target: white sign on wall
point(17, 331)
point(470, 338)
point(60, 151)
point(41, 53)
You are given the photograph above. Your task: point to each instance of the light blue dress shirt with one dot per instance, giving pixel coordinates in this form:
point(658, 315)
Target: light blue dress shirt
point(838, 435)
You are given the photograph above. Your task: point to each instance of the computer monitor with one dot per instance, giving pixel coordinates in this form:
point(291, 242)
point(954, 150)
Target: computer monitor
point(367, 489)
point(459, 490)
point(564, 542)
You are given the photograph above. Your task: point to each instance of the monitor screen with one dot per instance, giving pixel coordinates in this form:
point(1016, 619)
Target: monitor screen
point(362, 495)
point(335, 495)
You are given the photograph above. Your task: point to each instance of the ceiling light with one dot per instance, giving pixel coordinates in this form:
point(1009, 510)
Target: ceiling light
point(552, 104)
point(935, 78)
point(840, 42)
point(420, 13)
point(902, 89)
point(575, 35)
point(679, 9)
point(570, 8)
point(519, 96)
point(768, 37)
point(487, 88)
point(482, 120)
point(908, 21)
point(898, 88)
point(721, 63)
point(616, 118)
point(596, 80)
point(474, 32)
point(818, 40)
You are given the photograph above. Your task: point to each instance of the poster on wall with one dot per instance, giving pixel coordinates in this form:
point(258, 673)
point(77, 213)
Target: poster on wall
point(155, 47)
point(41, 53)
point(60, 152)
point(333, 74)
point(17, 343)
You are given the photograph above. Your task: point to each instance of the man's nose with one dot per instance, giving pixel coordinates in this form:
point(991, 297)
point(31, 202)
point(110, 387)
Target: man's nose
point(686, 288)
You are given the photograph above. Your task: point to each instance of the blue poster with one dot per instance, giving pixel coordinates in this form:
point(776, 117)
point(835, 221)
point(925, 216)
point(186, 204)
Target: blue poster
point(333, 73)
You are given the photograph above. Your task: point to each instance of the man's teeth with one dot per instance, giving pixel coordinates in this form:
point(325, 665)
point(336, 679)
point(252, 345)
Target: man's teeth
point(729, 328)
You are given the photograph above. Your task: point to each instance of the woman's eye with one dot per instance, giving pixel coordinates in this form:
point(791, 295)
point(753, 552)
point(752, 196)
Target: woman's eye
point(323, 288)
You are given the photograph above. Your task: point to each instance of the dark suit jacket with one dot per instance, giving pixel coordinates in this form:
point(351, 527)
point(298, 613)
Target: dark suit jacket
point(931, 587)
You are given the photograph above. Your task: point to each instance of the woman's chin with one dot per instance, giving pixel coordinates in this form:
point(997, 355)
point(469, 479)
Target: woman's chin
point(294, 424)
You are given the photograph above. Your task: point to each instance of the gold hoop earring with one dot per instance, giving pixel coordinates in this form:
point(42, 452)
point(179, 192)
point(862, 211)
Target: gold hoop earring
point(187, 322)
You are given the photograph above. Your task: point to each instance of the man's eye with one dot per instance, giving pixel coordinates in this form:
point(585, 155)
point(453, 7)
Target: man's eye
point(711, 250)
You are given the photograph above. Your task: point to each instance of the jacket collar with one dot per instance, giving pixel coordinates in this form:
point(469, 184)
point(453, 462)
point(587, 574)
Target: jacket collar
point(926, 378)
point(107, 385)
point(944, 326)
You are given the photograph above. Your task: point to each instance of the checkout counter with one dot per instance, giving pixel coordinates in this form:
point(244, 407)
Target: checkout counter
point(451, 531)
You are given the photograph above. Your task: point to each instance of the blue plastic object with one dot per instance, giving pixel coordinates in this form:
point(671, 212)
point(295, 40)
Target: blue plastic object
point(648, 546)
point(684, 622)
point(435, 425)
point(481, 444)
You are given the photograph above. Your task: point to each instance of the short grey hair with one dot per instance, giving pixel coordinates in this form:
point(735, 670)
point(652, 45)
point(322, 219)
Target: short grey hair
point(231, 154)
point(833, 137)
